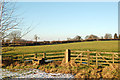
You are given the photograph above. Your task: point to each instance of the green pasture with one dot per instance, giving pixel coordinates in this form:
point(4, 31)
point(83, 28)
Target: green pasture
point(104, 46)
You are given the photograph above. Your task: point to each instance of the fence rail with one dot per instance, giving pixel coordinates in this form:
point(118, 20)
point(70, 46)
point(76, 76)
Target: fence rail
point(83, 57)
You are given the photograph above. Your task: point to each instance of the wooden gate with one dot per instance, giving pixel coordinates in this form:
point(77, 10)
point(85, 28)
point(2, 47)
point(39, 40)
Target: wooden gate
point(95, 58)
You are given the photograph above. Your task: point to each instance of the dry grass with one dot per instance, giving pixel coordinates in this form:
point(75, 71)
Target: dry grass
point(80, 71)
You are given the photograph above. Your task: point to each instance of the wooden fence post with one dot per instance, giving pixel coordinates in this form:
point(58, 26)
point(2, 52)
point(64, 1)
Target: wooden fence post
point(44, 55)
point(81, 58)
point(0, 60)
point(35, 56)
point(67, 55)
point(96, 60)
point(113, 57)
point(88, 58)
point(23, 57)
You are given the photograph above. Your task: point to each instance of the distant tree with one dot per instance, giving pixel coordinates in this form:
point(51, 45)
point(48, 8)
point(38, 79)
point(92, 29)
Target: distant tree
point(87, 37)
point(68, 39)
point(36, 37)
point(77, 37)
point(101, 37)
point(92, 37)
point(108, 36)
point(115, 36)
point(15, 35)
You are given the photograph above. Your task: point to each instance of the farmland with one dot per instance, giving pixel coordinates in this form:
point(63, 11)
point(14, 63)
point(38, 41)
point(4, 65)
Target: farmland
point(104, 46)
point(78, 69)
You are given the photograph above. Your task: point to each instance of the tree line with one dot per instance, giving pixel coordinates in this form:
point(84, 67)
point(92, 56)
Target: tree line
point(92, 37)
point(14, 39)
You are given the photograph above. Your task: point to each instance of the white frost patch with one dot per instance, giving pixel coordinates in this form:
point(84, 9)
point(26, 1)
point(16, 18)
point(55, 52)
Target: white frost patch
point(33, 73)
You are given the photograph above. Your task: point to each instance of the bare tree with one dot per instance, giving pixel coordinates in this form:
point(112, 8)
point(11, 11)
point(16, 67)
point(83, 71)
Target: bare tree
point(68, 39)
point(77, 37)
point(8, 19)
point(108, 36)
point(15, 35)
point(36, 37)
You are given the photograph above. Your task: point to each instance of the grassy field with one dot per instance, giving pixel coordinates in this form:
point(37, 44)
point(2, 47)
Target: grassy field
point(108, 46)
point(80, 71)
